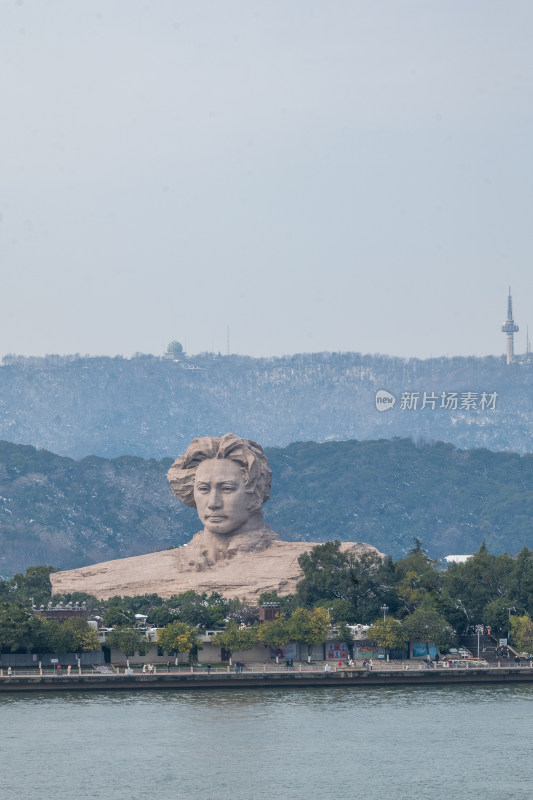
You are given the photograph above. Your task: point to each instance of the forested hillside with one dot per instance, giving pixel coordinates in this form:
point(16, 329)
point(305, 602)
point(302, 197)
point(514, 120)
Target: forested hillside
point(71, 513)
point(152, 408)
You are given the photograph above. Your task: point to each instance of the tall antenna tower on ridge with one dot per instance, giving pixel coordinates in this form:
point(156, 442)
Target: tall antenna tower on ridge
point(510, 329)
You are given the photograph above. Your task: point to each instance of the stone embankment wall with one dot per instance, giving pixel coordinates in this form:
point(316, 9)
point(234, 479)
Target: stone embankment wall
point(232, 680)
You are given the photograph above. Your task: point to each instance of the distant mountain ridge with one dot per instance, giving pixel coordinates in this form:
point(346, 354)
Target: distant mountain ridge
point(152, 407)
point(73, 513)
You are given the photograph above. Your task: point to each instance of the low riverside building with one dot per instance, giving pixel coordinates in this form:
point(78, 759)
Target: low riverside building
point(332, 651)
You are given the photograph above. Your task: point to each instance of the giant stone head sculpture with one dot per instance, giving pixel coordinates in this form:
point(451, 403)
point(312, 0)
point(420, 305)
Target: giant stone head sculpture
point(227, 479)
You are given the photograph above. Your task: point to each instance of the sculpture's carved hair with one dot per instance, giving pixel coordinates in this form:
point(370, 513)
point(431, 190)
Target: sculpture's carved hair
point(247, 454)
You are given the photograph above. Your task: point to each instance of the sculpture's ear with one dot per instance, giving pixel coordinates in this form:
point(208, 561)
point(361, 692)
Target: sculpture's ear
point(254, 502)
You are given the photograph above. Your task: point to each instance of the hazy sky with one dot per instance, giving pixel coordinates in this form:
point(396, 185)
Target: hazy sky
point(315, 175)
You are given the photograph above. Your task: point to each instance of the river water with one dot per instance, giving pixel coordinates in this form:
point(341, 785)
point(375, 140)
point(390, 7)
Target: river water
point(417, 742)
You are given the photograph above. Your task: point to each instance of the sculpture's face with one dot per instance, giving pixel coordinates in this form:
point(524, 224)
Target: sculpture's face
point(219, 492)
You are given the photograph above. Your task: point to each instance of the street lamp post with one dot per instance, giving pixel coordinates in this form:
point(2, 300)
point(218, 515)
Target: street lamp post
point(384, 608)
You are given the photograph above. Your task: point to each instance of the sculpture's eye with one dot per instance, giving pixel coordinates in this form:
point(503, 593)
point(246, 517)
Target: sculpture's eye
point(203, 488)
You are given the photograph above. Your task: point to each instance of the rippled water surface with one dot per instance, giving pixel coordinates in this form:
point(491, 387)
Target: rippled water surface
point(240, 745)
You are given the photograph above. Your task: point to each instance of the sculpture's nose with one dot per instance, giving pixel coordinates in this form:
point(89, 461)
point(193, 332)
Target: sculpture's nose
point(215, 499)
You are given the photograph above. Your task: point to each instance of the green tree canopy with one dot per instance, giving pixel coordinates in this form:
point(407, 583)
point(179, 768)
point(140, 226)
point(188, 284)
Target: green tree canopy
point(477, 582)
point(326, 574)
point(274, 633)
point(416, 577)
point(428, 626)
point(178, 637)
point(340, 611)
point(496, 614)
point(33, 586)
point(201, 610)
point(388, 632)
point(310, 627)
point(522, 632)
point(520, 580)
point(78, 637)
point(364, 582)
point(19, 628)
point(71, 636)
point(234, 638)
point(161, 616)
point(118, 616)
point(128, 640)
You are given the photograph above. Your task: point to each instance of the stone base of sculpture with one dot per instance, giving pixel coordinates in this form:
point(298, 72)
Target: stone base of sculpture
point(243, 565)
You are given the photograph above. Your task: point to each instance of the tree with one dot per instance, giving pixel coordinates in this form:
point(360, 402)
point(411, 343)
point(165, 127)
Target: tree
point(416, 577)
point(34, 585)
point(341, 611)
point(388, 632)
point(71, 636)
point(275, 633)
point(428, 626)
point(128, 641)
point(200, 610)
point(309, 627)
point(138, 604)
point(364, 582)
point(19, 628)
point(234, 638)
point(522, 632)
point(245, 614)
point(476, 583)
point(325, 570)
point(178, 637)
point(117, 616)
point(496, 614)
point(521, 580)
point(161, 616)
point(78, 637)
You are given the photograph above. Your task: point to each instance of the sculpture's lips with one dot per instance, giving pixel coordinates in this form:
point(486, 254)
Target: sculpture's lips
point(216, 518)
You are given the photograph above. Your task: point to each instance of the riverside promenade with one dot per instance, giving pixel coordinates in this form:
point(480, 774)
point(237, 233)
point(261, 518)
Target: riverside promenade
point(264, 677)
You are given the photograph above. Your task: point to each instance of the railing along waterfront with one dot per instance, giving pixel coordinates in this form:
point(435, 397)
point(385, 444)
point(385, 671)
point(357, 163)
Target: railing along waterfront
point(276, 669)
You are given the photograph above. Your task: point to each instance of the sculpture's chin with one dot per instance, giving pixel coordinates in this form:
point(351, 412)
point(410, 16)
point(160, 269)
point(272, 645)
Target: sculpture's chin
point(220, 530)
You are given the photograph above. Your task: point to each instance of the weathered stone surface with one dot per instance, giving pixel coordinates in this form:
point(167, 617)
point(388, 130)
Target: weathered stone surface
point(255, 562)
